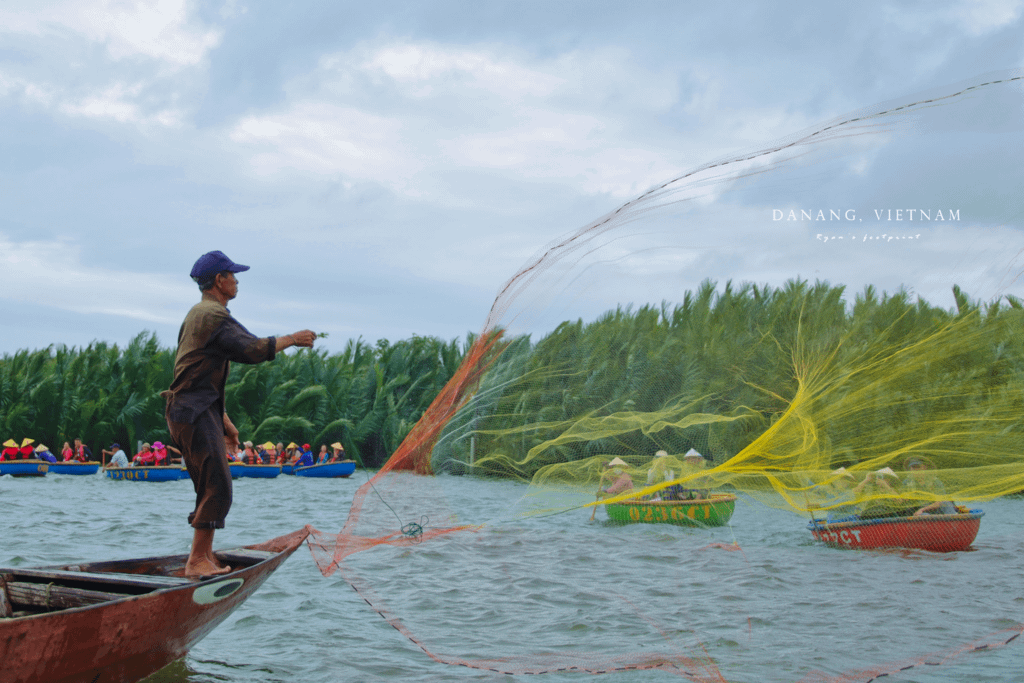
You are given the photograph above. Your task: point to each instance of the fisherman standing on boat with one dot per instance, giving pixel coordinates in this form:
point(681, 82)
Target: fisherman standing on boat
point(209, 339)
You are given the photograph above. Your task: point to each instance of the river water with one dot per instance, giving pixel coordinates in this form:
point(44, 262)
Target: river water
point(758, 600)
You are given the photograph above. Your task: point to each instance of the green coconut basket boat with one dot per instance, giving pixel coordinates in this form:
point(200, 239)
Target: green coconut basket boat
point(715, 510)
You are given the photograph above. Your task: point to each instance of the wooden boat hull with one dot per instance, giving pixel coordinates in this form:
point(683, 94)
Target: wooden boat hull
point(74, 468)
point(172, 473)
point(935, 533)
point(24, 468)
point(715, 510)
point(128, 638)
point(254, 471)
point(329, 469)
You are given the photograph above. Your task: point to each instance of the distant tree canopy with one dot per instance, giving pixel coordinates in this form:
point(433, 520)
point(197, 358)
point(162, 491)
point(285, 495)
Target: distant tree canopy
point(717, 350)
point(367, 397)
point(727, 352)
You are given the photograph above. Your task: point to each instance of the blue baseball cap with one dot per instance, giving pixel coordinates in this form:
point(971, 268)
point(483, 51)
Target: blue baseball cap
point(213, 262)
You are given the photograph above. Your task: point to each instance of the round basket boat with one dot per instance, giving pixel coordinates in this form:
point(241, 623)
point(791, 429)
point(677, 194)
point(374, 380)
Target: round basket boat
point(72, 467)
point(715, 510)
point(935, 533)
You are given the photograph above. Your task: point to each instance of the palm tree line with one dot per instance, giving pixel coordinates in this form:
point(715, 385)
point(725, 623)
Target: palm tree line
point(367, 396)
point(734, 351)
point(626, 382)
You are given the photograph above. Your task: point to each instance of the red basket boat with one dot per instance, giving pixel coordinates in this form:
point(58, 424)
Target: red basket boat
point(936, 533)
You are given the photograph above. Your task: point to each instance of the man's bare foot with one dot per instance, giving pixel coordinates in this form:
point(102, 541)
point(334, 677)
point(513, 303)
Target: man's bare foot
point(216, 562)
point(203, 567)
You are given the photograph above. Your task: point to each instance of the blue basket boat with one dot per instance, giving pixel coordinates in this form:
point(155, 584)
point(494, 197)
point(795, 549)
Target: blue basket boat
point(342, 468)
point(24, 468)
point(74, 467)
point(239, 470)
point(172, 473)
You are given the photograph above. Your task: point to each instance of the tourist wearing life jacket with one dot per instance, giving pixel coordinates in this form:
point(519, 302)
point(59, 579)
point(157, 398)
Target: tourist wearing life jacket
point(82, 452)
point(305, 459)
point(27, 450)
point(250, 456)
point(43, 453)
point(159, 454)
point(268, 453)
point(67, 453)
point(10, 451)
point(339, 452)
point(144, 458)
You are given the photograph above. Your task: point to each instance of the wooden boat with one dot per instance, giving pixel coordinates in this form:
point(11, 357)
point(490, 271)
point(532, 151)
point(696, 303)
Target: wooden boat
point(72, 467)
point(118, 622)
point(239, 469)
point(936, 533)
point(341, 468)
point(715, 510)
point(162, 473)
point(24, 468)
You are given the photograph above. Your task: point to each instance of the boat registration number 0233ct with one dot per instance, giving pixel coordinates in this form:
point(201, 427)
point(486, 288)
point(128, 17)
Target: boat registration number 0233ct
point(664, 514)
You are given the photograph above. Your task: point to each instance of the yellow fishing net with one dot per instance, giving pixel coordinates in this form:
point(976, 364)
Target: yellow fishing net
point(828, 325)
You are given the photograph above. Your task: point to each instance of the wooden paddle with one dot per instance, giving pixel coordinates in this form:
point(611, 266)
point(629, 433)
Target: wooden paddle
point(597, 495)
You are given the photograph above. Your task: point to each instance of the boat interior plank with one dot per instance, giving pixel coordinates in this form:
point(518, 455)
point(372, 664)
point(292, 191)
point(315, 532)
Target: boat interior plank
point(50, 596)
point(243, 556)
point(5, 604)
point(146, 582)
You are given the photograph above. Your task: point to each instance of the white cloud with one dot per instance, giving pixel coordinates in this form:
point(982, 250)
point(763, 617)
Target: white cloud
point(157, 29)
point(422, 70)
point(376, 112)
point(152, 62)
point(50, 274)
point(327, 139)
point(119, 102)
point(983, 16)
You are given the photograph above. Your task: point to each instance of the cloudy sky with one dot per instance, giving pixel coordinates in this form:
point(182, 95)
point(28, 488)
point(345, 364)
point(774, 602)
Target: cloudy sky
point(386, 167)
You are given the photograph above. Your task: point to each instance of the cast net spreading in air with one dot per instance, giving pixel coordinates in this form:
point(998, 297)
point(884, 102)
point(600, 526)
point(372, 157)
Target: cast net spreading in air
point(822, 335)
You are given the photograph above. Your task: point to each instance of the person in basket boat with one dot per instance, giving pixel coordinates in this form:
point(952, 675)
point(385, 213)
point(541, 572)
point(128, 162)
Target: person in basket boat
point(836, 495)
point(43, 453)
point(305, 458)
point(10, 450)
point(250, 456)
point(693, 462)
point(919, 478)
point(160, 458)
point(117, 457)
point(324, 455)
point(620, 479)
point(289, 454)
point(661, 470)
point(67, 453)
point(27, 451)
point(268, 453)
point(884, 482)
point(82, 452)
point(144, 458)
point(339, 452)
